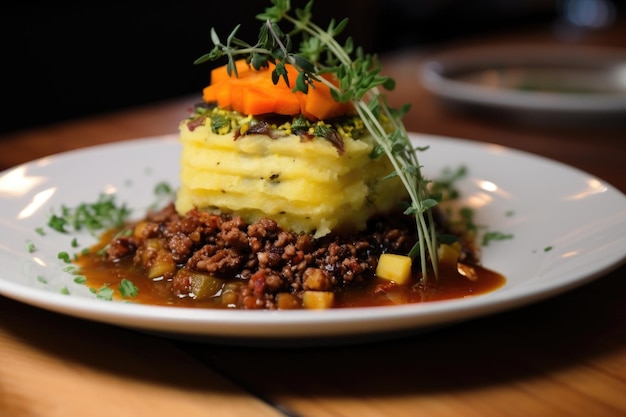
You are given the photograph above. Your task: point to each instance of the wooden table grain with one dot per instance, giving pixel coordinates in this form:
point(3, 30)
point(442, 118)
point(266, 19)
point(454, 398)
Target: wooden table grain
point(562, 357)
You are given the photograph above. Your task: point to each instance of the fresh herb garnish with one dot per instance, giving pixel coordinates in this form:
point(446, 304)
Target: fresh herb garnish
point(65, 257)
point(163, 192)
point(104, 293)
point(104, 213)
point(445, 185)
point(220, 124)
point(491, 236)
point(80, 279)
point(163, 188)
point(359, 82)
point(127, 288)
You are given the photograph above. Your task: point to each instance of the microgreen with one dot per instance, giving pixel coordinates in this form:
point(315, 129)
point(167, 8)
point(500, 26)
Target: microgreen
point(359, 82)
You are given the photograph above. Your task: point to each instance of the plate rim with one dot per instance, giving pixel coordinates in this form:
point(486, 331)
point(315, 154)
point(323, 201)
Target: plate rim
point(152, 318)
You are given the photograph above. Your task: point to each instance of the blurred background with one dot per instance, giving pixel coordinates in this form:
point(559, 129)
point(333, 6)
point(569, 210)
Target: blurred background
point(63, 61)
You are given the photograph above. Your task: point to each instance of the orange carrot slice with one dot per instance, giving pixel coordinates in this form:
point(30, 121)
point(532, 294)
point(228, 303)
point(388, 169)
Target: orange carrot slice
point(254, 93)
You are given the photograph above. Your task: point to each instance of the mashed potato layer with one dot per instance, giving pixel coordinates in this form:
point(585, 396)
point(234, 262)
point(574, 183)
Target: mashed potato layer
point(304, 185)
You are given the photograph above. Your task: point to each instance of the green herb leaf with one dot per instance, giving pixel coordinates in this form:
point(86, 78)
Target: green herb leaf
point(102, 214)
point(80, 279)
point(360, 81)
point(65, 257)
point(127, 288)
point(105, 293)
point(446, 183)
point(491, 236)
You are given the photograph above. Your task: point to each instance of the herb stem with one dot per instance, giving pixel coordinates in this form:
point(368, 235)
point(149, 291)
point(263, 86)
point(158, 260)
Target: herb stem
point(358, 84)
point(412, 183)
point(314, 30)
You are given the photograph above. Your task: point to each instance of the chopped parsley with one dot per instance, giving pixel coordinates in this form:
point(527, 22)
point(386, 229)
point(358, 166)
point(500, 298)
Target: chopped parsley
point(104, 293)
point(104, 213)
point(127, 288)
point(65, 257)
point(80, 279)
point(445, 186)
point(492, 236)
point(163, 188)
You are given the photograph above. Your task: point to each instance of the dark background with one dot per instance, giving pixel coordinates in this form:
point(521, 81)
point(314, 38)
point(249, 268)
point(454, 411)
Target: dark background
point(62, 61)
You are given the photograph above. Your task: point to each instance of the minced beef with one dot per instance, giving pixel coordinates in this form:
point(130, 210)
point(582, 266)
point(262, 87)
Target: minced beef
point(262, 255)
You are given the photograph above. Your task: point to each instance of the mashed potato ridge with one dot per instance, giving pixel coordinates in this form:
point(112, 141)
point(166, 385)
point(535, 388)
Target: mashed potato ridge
point(305, 185)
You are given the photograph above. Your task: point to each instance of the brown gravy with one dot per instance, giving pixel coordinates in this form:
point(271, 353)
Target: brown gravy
point(100, 273)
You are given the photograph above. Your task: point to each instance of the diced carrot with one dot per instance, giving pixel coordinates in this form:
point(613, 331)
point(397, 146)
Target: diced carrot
point(319, 104)
point(222, 95)
point(220, 74)
point(253, 92)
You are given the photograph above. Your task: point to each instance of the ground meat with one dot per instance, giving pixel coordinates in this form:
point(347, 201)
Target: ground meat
point(261, 259)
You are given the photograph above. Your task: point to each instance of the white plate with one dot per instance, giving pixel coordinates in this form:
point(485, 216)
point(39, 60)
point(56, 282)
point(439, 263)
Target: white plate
point(544, 204)
point(535, 83)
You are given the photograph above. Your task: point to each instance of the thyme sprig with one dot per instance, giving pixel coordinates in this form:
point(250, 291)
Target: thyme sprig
point(359, 82)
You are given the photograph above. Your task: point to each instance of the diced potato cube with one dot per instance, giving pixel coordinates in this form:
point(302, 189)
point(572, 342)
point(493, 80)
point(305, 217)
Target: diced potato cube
point(139, 228)
point(396, 268)
point(318, 300)
point(286, 301)
point(158, 260)
point(448, 258)
point(163, 264)
point(449, 253)
point(205, 285)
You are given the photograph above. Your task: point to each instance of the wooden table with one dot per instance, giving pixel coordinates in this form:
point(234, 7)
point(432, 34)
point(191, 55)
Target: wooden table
point(562, 357)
